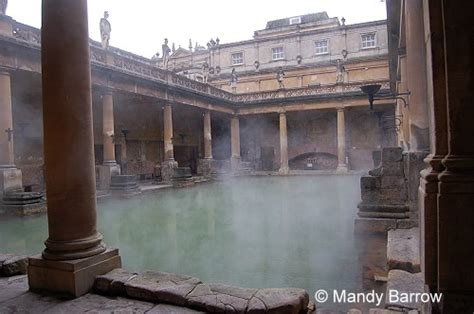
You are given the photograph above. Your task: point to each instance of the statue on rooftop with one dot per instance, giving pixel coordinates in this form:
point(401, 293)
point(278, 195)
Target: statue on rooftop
point(166, 51)
point(105, 29)
point(3, 6)
point(280, 77)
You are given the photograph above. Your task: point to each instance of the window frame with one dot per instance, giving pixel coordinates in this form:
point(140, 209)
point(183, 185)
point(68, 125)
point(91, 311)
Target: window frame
point(282, 53)
point(368, 34)
point(316, 47)
point(292, 19)
point(232, 58)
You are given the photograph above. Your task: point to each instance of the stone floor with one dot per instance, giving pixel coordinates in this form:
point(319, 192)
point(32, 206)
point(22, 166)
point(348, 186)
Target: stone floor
point(15, 298)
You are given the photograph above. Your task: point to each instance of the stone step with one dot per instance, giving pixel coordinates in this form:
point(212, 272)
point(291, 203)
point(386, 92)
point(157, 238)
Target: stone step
point(182, 290)
point(404, 284)
point(403, 249)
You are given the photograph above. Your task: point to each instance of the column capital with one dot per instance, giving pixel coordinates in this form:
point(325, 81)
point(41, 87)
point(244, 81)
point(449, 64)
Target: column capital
point(282, 111)
point(107, 91)
point(340, 109)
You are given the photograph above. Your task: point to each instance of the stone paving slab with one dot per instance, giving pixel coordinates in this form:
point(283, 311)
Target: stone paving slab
point(12, 287)
point(29, 302)
point(92, 303)
point(403, 249)
point(171, 309)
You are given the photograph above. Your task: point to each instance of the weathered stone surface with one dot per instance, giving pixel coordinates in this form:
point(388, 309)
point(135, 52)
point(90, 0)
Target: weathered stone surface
point(161, 287)
point(113, 283)
point(29, 302)
point(92, 303)
point(374, 225)
point(12, 287)
point(220, 298)
point(171, 309)
point(283, 300)
point(404, 282)
point(403, 249)
point(14, 265)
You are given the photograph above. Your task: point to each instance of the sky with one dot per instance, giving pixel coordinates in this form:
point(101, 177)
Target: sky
point(140, 26)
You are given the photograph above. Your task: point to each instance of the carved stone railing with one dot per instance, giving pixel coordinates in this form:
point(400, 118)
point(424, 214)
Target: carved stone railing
point(331, 89)
point(129, 62)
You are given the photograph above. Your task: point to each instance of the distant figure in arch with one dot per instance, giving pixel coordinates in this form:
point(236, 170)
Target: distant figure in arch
point(105, 29)
point(280, 77)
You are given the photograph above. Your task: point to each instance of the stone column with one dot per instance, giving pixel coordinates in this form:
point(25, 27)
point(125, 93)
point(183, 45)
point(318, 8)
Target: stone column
point(283, 144)
point(341, 141)
point(416, 76)
point(10, 177)
point(207, 136)
point(455, 223)
point(168, 165)
point(205, 165)
point(74, 252)
point(110, 166)
point(235, 142)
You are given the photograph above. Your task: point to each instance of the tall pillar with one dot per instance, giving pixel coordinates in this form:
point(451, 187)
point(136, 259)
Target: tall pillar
point(168, 165)
point(456, 183)
point(416, 76)
point(205, 165)
point(10, 177)
point(235, 142)
point(207, 135)
point(341, 141)
point(110, 166)
point(283, 144)
point(74, 252)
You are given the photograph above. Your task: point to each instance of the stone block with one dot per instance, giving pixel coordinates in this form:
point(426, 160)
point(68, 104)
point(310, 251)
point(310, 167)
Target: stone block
point(373, 225)
point(392, 154)
point(161, 287)
point(171, 309)
point(369, 183)
point(71, 278)
point(205, 167)
point(403, 249)
point(283, 300)
point(402, 282)
point(113, 283)
point(167, 170)
point(10, 180)
point(14, 265)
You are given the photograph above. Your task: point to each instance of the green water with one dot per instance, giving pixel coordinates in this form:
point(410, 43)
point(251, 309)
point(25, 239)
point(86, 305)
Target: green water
point(253, 232)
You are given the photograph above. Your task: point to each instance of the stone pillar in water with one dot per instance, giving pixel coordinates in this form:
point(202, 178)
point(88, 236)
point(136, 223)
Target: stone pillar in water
point(74, 252)
point(10, 176)
point(341, 141)
point(235, 142)
point(283, 144)
point(110, 166)
point(169, 164)
point(205, 165)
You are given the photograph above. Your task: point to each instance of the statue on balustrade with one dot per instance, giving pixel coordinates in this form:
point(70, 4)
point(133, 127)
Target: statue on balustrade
point(3, 6)
point(166, 51)
point(105, 29)
point(340, 71)
point(205, 71)
point(233, 80)
point(280, 77)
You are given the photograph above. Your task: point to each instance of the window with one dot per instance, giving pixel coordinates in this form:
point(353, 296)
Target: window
point(278, 53)
point(321, 47)
point(368, 40)
point(295, 20)
point(238, 58)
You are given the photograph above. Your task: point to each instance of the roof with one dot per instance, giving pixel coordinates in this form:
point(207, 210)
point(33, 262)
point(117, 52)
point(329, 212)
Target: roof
point(308, 18)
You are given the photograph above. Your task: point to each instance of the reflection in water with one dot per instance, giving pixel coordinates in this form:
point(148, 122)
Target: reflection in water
point(254, 232)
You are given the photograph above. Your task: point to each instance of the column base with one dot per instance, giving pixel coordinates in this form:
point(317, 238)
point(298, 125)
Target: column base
point(167, 170)
point(72, 278)
point(205, 167)
point(284, 170)
point(235, 164)
point(10, 180)
point(342, 168)
point(106, 171)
